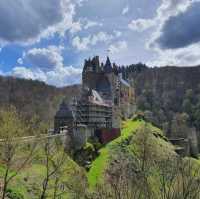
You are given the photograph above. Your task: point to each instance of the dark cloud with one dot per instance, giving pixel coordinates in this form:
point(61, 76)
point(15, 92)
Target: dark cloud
point(181, 30)
point(23, 20)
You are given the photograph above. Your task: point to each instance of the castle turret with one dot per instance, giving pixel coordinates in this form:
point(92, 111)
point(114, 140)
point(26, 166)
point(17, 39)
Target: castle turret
point(88, 66)
point(63, 118)
point(96, 64)
point(108, 66)
point(115, 69)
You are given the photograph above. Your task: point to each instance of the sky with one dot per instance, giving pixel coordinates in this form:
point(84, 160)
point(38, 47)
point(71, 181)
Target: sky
point(48, 40)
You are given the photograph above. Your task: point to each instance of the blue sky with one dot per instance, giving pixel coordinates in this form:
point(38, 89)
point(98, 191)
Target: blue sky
point(48, 40)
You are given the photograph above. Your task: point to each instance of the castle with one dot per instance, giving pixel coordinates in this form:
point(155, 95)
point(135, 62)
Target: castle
point(106, 98)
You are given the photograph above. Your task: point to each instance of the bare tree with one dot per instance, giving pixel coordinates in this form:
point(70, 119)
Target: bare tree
point(167, 173)
point(12, 128)
point(77, 185)
point(146, 161)
point(188, 186)
point(179, 178)
point(129, 174)
point(54, 159)
point(122, 178)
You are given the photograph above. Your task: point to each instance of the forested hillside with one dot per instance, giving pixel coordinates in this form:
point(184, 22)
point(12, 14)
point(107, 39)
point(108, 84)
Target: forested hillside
point(167, 94)
point(164, 94)
point(34, 97)
point(140, 164)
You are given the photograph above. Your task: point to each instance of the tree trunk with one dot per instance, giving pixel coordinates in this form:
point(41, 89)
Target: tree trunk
point(45, 184)
point(5, 184)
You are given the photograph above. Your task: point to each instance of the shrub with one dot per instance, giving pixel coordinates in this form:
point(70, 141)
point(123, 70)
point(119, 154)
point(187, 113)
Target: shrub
point(14, 194)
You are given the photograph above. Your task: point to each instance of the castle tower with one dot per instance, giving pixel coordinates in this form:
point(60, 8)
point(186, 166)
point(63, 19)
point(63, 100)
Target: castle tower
point(63, 118)
point(115, 92)
point(108, 66)
point(106, 81)
point(116, 121)
point(90, 73)
point(96, 64)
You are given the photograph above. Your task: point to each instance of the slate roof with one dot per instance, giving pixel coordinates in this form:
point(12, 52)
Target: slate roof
point(97, 99)
point(64, 111)
point(124, 82)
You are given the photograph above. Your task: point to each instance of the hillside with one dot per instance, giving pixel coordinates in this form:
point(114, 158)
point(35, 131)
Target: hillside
point(165, 91)
point(138, 164)
point(167, 86)
point(142, 164)
point(29, 182)
point(129, 141)
point(34, 97)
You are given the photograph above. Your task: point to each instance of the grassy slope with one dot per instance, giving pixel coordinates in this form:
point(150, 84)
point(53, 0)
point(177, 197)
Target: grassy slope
point(159, 145)
point(95, 175)
point(29, 181)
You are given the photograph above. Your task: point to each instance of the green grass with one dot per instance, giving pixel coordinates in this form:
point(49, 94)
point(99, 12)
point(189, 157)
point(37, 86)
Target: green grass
point(28, 182)
point(96, 172)
point(158, 142)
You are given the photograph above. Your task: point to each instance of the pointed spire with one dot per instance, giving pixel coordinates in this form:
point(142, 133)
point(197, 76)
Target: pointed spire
point(108, 62)
point(87, 65)
point(96, 64)
point(108, 66)
point(115, 69)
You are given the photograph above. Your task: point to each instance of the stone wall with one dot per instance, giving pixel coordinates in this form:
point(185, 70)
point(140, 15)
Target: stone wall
point(81, 134)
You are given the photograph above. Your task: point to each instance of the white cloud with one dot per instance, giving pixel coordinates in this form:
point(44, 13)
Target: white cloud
point(47, 65)
point(171, 7)
point(80, 2)
point(125, 10)
point(23, 72)
point(45, 58)
point(84, 43)
point(67, 23)
point(20, 61)
point(118, 47)
point(101, 37)
point(141, 24)
point(117, 33)
point(90, 24)
point(59, 77)
point(188, 56)
point(45, 18)
point(75, 27)
point(167, 8)
point(63, 76)
point(81, 43)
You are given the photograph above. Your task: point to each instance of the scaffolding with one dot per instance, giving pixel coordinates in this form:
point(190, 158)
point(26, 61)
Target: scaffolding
point(94, 115)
